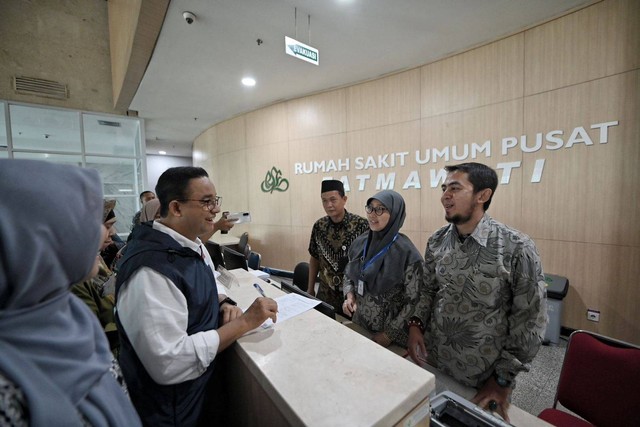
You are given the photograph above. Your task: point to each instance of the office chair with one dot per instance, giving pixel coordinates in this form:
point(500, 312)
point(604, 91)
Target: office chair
point(254, 260)
point(599, 381)
point(301, 275)
point(234, 259)
point(243, 245)
point(216, 253)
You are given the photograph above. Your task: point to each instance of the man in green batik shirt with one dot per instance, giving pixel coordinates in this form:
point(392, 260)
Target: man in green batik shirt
point(331, 237)
point(482, 308)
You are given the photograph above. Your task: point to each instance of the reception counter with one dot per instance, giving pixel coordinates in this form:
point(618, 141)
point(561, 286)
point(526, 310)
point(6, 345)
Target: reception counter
point(517, 416)
point(311, 370)
point(314, 371)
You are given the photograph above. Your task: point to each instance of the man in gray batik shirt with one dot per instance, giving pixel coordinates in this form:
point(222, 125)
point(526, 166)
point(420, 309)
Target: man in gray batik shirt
point(482, 315)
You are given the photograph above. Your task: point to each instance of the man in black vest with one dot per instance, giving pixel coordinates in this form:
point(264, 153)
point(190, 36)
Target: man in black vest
point(172, 317)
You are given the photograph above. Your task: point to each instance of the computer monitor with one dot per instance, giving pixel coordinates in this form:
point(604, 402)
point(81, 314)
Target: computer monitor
point(323, 307)
point(234, 259)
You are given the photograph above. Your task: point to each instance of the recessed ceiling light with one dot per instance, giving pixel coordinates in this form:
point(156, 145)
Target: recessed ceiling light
point(162, 152)
point(248, 81)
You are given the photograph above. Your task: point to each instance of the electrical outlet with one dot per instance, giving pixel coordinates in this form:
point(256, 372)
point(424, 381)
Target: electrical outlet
point(593, 315)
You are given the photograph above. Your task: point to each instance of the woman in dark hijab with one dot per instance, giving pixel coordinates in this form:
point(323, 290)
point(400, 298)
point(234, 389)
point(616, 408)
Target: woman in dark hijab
point(98, 292)
point(383, 274)
point(55, 365)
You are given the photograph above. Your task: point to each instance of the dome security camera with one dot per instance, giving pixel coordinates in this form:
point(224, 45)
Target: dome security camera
point(189, 17)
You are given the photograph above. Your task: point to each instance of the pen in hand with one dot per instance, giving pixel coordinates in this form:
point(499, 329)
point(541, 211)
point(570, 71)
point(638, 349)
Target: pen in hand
point(255, 285)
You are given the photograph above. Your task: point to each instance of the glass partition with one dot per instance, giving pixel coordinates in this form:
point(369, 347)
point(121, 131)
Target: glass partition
point(113, 145)
point(45, 129)
point(67, 159)
point(121, 181)
point(110, 136)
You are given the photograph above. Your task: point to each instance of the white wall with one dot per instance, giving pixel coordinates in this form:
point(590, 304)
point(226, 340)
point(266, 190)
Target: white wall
point(158, 164)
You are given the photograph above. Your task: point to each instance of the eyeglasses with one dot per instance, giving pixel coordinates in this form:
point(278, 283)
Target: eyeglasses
point(379, 210)
point(206, 204)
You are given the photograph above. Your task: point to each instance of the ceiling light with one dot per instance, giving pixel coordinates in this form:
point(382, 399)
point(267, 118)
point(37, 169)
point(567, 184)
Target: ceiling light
point(162, 152)
point(248, 81)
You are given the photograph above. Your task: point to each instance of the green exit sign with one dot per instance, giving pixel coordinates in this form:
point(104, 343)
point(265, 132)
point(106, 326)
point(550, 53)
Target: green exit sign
point(301, 51)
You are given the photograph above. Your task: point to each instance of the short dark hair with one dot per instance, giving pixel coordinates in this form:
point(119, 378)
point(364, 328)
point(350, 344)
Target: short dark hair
point(481, 177)
point(173, 183)
point(143, 193)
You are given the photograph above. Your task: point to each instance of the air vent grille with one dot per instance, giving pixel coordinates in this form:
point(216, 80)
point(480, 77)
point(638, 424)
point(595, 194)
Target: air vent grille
point(40, 87)
point(109, 123)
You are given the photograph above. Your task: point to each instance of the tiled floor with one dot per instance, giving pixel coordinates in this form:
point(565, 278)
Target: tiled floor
point(536, 389)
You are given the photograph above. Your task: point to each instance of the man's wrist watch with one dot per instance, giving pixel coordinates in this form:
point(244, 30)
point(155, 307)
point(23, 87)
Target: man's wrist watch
point(501, 381)
point(229, 301)
point(415, 321)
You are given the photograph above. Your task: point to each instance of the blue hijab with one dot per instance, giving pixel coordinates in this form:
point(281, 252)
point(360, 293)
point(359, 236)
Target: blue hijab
point(51, 345)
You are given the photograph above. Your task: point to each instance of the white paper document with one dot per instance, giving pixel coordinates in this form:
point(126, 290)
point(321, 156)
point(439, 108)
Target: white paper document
point(290, 305)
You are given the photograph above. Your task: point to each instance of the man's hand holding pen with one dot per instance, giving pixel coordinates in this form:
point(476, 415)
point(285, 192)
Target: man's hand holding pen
point(260, 310)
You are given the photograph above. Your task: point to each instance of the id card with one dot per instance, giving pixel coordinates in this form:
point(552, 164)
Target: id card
point(360, 287)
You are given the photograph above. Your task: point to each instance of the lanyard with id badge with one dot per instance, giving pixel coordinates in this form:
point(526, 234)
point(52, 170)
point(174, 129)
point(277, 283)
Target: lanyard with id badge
point(373, 259)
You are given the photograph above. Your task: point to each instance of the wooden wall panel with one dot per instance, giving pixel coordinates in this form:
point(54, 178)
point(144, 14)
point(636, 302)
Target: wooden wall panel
point(205, 150)
point(601, 277)
point(416, 238)
point(394, 99)
point(262, 238)
point(592, 190)
point(490, 123)
point(485, 75)
point(584, 214)
point(435, 133)
point(305, 188)
point(272, 207)
point(385, 141)
point(232, 181)
point(292, 246)
point(316, 115)
point(493, 123)
point(300, 237)
point(597, 41)
point(267, 126)
point(231, 135)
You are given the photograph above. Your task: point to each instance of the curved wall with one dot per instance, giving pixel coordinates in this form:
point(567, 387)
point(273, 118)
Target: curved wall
point(555, 109)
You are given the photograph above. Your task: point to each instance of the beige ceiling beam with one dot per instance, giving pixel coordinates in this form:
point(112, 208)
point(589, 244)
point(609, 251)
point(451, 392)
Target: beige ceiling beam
point(134, 27)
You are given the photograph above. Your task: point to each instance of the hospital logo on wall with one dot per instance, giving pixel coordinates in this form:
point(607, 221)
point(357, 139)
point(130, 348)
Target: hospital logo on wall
point(273, 181)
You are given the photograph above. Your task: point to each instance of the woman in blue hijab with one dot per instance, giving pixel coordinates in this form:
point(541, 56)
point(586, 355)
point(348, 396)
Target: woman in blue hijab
point(382, 277)
point(55, 365)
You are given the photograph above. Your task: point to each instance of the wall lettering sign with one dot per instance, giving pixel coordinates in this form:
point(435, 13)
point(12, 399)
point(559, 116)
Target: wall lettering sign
point(542, 141)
